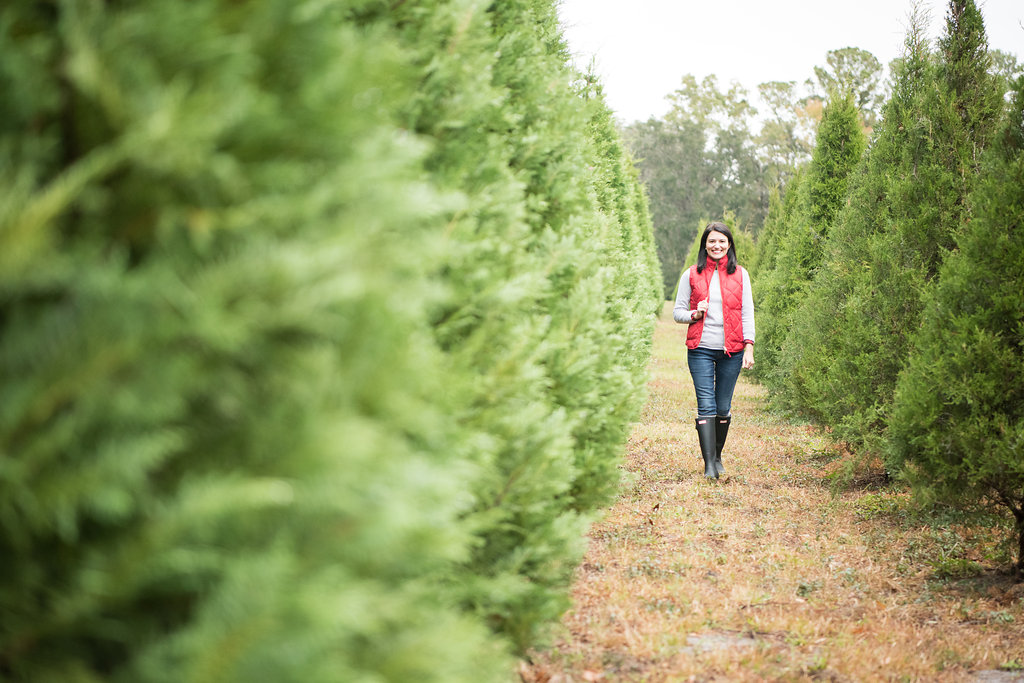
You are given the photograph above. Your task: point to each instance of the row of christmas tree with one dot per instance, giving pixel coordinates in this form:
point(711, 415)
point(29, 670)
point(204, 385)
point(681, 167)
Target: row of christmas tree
point(890, 278)
point(323, 326)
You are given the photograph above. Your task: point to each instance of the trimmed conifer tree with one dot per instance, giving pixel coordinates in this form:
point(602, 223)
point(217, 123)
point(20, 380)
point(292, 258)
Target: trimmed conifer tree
point(958, 414)
point(223, 434)
point(904, 214)
point(767, 236)
point(811, 352)
point(316, 358)
point(839, 145)
point(799, 244)
point(553, 351)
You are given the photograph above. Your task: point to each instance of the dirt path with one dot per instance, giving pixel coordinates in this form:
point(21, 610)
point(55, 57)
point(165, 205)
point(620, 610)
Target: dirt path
point(765, 574)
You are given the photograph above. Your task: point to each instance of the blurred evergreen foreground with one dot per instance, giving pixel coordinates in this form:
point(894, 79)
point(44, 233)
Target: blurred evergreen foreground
point(322, 326)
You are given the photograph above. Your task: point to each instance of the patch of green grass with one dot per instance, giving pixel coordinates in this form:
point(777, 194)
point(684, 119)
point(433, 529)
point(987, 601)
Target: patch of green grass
point(873, 505)
point(817, 664)
point(1000, 617)
point(955, 568)
point(816, 454)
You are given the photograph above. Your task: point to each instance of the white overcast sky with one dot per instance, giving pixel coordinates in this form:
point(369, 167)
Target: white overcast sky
point(643, 48)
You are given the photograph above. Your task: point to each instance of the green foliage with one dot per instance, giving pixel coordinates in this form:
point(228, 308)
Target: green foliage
point(676, 190)
point(555, 350)
point(955, 568)
point(324, 325)
point(698, 162)
point(1006, 67)
point(706, 156)
point(199, 437)
point(856, 72)
point(923, 262)
point(780, 211)
point(782, 143)
point(840, 144)
point(800, 228)
point(958, 415)
point(850, 338)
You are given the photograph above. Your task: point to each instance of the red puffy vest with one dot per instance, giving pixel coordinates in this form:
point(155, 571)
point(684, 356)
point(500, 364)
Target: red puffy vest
point(732, 303)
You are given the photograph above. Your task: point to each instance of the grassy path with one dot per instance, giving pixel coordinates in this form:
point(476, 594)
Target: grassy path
point(766, 574)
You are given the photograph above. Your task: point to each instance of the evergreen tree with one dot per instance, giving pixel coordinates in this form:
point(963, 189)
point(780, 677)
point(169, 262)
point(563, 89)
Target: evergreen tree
point(223, 434)
point(323, 328)
point(885, 249)
point(780, 210)
point(782, 143)
point(810, 361)
point(855, 71)
point(799, 244)
point(958, 415)
point(698, 162)
point(670, 161)
point(1006, 67)
point(551, 354)
point(838, 150)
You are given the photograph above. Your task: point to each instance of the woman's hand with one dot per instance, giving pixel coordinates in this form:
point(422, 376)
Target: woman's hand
point(702, 307)
point(748, 356)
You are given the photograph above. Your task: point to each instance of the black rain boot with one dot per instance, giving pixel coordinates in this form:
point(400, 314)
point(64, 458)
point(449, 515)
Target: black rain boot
point(706, 435)
point(721, 431)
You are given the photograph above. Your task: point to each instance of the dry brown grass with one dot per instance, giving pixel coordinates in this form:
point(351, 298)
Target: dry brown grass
point(769, 575)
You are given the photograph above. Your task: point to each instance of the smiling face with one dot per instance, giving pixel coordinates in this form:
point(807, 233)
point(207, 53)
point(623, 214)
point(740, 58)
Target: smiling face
point(717, 245)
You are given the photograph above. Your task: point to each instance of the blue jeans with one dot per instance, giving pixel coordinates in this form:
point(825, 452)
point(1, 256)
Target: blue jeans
point(714, 379)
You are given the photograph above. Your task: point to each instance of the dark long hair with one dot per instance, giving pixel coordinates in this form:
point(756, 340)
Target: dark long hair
point(702, 255)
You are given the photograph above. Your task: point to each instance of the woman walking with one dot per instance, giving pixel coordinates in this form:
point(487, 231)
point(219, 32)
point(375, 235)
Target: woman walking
point(716, 301)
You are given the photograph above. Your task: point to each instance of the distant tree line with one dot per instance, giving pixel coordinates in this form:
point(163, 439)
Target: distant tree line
point(716, 152)
point(721, 149)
